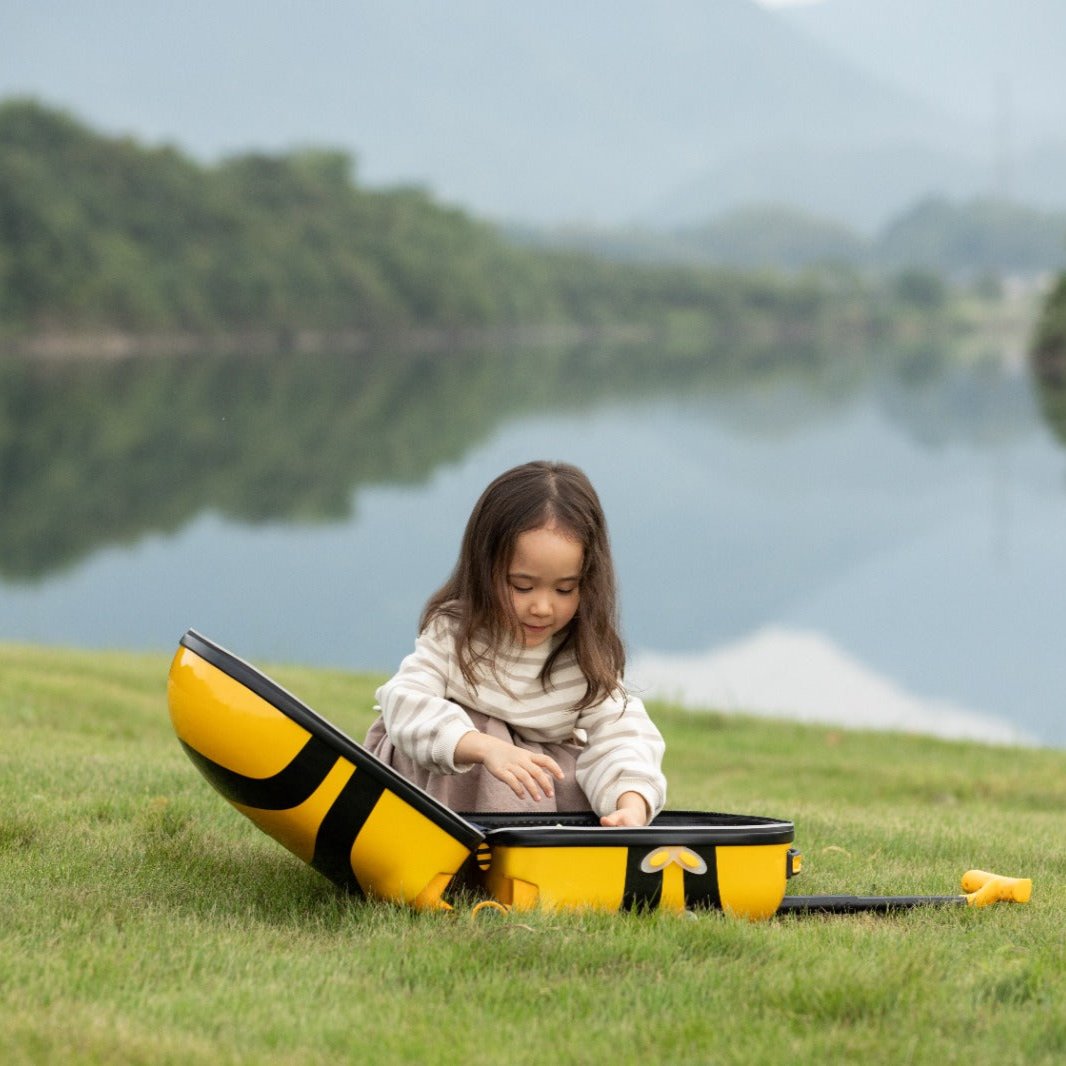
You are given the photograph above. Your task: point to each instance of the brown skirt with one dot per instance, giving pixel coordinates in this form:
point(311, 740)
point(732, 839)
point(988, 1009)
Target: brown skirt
point(477, 790)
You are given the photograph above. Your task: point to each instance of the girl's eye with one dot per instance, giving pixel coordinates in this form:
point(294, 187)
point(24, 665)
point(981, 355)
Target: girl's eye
point(522, 588)
point(566, 592)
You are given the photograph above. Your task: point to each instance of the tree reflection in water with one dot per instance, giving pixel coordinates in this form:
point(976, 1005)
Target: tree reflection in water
point(97, 454)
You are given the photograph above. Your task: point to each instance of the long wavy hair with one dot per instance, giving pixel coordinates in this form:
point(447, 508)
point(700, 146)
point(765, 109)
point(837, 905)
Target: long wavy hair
point(533, 496)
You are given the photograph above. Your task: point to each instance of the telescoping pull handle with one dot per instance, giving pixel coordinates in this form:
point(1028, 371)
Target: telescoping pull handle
point(983, 888)
point(980, 887)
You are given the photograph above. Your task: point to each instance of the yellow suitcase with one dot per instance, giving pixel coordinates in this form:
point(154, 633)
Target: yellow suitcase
point(369, 830)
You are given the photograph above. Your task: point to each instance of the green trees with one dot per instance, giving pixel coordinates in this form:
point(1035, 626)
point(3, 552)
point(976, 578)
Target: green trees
point(103, 235)
point(1049, 343)
point(1049, 359)
point(101, 232)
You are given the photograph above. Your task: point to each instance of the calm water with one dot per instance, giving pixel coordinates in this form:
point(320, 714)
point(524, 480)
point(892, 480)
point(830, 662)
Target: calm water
point(877, 545)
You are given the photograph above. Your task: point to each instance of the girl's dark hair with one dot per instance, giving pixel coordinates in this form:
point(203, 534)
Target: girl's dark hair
point(476, 595)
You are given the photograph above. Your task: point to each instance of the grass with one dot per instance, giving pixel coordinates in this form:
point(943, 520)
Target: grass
point(142, 920)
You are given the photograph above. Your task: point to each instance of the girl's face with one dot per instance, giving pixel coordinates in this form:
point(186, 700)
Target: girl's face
point(544, 579)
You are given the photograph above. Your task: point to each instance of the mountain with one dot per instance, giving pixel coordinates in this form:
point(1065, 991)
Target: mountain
point(993, 64)
point(603, 111)
point(544, 111)
point(971, 241)
point(861, 184)
point(994, 67)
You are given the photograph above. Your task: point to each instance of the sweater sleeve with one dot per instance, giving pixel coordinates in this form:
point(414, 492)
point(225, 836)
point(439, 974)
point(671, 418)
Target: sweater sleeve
point(418, 718)
point(624, 754)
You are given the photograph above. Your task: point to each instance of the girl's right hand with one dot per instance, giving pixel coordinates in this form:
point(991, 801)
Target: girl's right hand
point(526, 773)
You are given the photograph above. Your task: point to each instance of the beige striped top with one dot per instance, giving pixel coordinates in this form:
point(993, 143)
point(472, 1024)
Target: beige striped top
point(422, 708)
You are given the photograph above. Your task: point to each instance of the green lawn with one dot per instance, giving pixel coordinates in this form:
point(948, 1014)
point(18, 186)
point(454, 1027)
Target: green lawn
point(143, 920)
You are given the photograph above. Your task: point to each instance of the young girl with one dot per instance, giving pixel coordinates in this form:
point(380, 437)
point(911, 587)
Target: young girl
point(512, 699)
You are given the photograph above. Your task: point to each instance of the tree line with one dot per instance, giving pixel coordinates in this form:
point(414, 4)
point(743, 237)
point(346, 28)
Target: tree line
point(104, 233)
point(98, 231)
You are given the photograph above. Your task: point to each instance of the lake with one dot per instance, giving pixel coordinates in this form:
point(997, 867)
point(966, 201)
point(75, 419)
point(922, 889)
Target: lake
point(868, 541)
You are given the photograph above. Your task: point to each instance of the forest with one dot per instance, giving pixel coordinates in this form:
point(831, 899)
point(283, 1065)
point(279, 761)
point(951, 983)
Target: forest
point(1048, 358)
point(103, 234)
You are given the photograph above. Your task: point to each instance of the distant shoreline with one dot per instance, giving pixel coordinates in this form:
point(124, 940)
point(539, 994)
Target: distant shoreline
point(111, 344)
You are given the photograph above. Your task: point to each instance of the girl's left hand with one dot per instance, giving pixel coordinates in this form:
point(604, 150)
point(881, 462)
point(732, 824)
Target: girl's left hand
point(631, 810)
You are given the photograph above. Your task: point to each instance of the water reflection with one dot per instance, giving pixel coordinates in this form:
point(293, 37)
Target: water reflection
point(94, 455)
point(904, 509)
point(102, 454)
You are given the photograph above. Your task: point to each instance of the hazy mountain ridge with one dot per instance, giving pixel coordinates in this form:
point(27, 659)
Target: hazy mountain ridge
point(970, 240)
point(996, 64)
point(597, 112)
point(993, 67)
point(863, 186)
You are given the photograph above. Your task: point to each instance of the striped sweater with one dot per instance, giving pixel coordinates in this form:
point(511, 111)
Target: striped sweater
point(422, 707)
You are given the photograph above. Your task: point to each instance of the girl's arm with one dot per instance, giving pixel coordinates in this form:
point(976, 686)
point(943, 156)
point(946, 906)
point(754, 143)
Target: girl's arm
point(419, 719)
point(622, 762)
point(632, 809)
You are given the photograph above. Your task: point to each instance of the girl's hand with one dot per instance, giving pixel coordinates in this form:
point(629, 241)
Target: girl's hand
point(631, 810)
point(526, 773)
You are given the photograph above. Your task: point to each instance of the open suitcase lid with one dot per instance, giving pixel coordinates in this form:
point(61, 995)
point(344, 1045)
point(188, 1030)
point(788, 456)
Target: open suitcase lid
point(341, 744)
